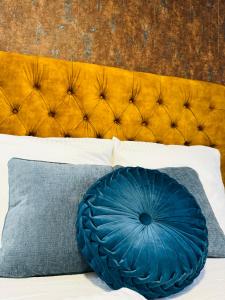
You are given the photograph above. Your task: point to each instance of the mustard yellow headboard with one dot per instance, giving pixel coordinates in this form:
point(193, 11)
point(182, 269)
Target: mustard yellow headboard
point(46, 97)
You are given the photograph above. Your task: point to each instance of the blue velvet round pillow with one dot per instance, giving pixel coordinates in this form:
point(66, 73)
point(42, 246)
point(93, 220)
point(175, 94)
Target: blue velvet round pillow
point(141, 229)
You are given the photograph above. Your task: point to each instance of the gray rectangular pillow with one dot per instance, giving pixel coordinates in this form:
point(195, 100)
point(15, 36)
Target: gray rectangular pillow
point(39, 235)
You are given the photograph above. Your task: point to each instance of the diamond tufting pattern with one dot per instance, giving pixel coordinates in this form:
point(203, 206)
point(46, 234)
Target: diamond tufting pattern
point(47, 97)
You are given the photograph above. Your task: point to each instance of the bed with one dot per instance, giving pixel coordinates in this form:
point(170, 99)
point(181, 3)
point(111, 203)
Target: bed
point(44, 97)
point(210, 285)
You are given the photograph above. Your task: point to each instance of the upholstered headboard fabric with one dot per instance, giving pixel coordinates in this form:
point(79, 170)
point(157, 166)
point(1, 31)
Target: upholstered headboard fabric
point(46, 97)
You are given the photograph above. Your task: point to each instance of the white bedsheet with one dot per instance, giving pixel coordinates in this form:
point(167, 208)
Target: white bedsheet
point(210, 285)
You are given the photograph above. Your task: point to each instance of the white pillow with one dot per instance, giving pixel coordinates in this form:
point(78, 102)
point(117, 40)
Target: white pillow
point(204, 160)
point(73, 150)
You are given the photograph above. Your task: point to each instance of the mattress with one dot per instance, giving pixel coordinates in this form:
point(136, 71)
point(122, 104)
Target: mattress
point(210, 285)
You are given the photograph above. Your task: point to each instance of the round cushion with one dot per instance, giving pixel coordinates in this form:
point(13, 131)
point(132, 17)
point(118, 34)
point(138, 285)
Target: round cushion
point(141, 229)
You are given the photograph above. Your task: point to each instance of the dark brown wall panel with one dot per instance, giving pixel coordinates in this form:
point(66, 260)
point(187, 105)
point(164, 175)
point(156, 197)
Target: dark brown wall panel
point(172, 37)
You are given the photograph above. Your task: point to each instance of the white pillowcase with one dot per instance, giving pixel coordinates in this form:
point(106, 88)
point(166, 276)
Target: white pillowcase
point(73, 150)
point(204, 160)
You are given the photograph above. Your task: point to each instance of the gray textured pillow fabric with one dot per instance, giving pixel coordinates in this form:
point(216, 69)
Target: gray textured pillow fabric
point(39, 235)
point(189, 178)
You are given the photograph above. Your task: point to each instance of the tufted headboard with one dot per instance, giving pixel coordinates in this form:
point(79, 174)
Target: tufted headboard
point(46, 97)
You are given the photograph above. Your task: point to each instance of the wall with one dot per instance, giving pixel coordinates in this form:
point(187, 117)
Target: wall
point(172, 37)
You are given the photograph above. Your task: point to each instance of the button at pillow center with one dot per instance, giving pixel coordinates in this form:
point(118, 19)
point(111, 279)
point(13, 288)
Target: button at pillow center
point(145, 219)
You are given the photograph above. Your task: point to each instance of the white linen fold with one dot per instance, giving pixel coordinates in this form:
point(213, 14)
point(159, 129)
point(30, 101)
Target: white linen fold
point(121, 294)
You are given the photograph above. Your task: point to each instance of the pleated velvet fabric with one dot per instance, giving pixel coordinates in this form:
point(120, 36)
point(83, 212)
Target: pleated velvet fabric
point(141, 229)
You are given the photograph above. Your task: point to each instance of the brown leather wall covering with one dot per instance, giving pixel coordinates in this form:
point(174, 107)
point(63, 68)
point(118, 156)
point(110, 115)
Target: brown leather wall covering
point(171, 37)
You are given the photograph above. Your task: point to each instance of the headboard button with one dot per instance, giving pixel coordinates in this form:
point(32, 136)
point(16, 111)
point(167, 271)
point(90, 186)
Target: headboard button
point(117, 121)
point(212, 145)
point(70, 91)
point(173, 125)
point(187, 104)
point(102, 96)
point(144, 123)
point(99, 136)
point(37, 86)
point(160, 101)
point(85, 117)
point(31, 133)
point(15, 110)
point(187, 143)
point(200, 127)
point(52, 114)
point(131, 100)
